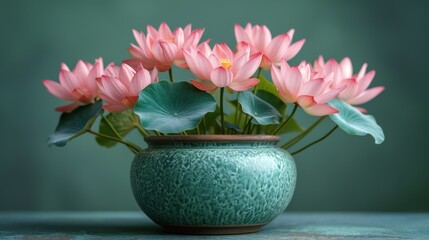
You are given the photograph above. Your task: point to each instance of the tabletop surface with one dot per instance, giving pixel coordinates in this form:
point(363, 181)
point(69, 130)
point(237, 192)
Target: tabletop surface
point(290, 225)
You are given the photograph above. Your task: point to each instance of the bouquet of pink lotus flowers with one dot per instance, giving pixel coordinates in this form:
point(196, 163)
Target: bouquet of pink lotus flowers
point(263, 92)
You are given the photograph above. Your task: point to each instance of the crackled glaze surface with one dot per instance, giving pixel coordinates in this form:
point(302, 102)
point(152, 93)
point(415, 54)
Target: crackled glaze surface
point(213, 183)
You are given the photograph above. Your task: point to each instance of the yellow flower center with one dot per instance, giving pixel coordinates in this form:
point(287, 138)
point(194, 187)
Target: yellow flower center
point(225, 63)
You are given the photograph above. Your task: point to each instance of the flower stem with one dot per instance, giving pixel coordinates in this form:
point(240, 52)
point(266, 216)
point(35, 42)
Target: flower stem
point(247, 122)
point(237, 107)
point(317, 141)
point(204, 125)
point(170, 74)
point(303, 134)
point(134, 148)
point(258, 76)
point(142, 130)
point(295, 107)
point(221, 110)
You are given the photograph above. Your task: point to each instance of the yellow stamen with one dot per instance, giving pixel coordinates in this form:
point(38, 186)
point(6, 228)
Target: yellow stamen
point(225, 63)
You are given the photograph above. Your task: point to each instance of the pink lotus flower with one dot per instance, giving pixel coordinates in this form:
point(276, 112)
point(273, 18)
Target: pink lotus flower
point(121, 85)
point(78, 85)
point(273, 50)
point(356, 91)
point(162, 48)
point(298, 85)
point(220, 67)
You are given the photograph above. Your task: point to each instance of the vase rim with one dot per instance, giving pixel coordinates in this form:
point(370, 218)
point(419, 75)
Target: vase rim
point(213, 138)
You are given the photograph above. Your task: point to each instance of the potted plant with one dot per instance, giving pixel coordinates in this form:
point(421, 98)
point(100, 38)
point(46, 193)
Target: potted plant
point(213, 164)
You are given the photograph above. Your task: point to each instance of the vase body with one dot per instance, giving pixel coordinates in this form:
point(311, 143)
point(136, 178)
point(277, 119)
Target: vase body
point(213, 184)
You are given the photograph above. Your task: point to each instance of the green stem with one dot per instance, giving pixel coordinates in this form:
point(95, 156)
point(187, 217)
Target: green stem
point(198, 129)
point(258, 76)
point(142, 130)
point(204, 125)
point(170, 74)
point(134, 148)
point(317, 141)
point(252, 128)
point(112, 127)
point(237, 106)
point(295, 107)
point(247, 124)
point(221, 110)
point(115, 132)
point(303, 134)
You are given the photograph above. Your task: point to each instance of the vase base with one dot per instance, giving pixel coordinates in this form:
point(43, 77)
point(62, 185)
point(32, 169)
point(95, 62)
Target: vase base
point(214, 229)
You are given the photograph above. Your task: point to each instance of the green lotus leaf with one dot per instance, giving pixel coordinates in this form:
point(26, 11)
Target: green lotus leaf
point(272, 99)
point(122, 123)
point(172, 107)
point(266, 85)
point(75, 123)
point(262, 112)
point(353, 122)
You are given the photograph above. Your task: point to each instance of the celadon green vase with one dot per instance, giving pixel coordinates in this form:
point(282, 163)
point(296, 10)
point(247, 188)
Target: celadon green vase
point(213, 184)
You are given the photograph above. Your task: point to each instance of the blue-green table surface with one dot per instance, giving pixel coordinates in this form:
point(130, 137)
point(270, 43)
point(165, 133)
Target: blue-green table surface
point(290, 225)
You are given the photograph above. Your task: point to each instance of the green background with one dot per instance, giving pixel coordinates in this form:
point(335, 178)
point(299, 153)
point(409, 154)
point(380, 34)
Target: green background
point(344, 173)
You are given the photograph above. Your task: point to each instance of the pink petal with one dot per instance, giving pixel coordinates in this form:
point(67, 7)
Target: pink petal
point(204, 66)
point(306, 101)
point(312, 87)
point(96, 72)
point(81, 72)
point(136, 51)
point(203, 86)
point(114, 88)
point(67, 108)
point(64, 67)
point(57, 90)
point(138, 37)
point(164, 52)
point(329, 95)
point(278, 81)
point(362, 71)
point(238, 63)
point(294, 49)
point(154, 75)
point(320, 110)
point(134, 63)
point(349, 91)
point(151, 32)
point(187, 30)
point(221, 77)
point(244, 85)
point(179, 38)
point(165, 32)
point(319, 64)
point(68, 80)
point(346, 67)
point(291, 33)
point(240, 34)
point(140, 80)
point(222, 51)
point(126, 73)
point(293, 80)
point(193, 65)
point(277, 48)
point(261, 37)
point(249, 68)
point(365, 81)
point(366, 96)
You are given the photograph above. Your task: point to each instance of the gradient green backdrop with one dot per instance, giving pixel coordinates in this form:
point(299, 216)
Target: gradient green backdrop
point(343, 173)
